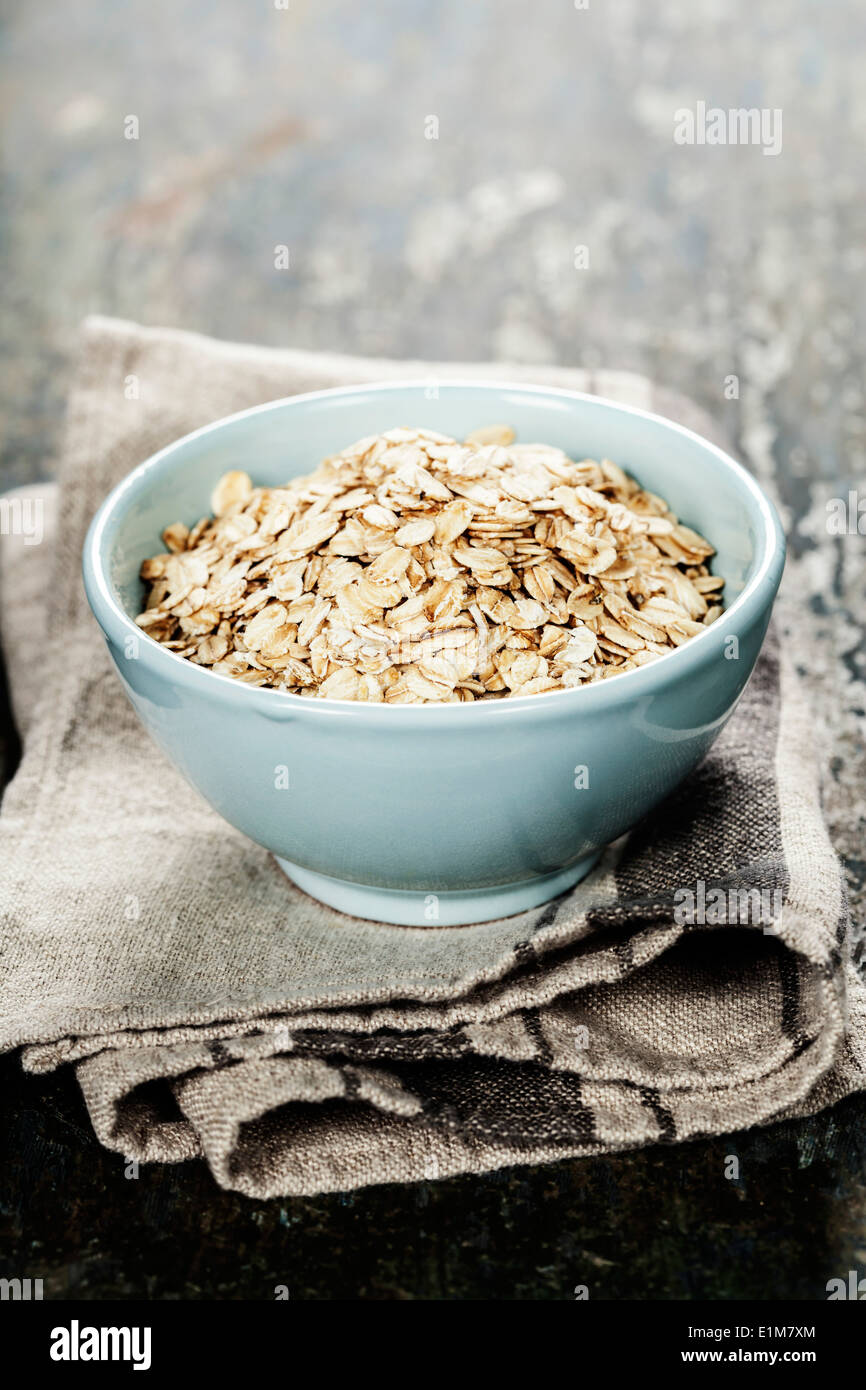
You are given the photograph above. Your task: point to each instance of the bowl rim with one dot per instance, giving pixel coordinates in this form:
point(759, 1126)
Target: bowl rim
point(756, 596)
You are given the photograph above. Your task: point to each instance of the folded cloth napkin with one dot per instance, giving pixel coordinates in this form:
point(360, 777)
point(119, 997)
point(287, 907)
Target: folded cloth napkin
point(210, 1007)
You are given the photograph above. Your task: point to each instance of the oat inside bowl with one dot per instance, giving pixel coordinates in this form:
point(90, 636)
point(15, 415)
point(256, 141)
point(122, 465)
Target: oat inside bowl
point(414, 569)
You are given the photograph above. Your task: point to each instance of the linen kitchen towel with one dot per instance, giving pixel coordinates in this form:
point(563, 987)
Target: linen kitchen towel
point(699, 981)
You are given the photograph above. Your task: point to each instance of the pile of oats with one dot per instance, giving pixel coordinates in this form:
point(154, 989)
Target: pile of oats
point(412, 569)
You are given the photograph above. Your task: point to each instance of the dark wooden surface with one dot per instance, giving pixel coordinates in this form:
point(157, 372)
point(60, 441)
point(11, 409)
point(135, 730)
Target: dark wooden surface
point(305, 127)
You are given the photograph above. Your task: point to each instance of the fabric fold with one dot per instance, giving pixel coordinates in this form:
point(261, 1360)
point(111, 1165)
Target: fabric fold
point(699, 981)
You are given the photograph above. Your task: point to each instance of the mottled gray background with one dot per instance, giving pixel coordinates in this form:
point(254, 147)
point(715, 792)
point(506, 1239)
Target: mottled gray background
point(305, 127)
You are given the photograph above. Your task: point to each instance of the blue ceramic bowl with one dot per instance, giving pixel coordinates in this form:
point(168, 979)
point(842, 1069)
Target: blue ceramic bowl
point(424, 814)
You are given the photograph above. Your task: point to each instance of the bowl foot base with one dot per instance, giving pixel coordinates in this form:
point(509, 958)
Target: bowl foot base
point(408, 909)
